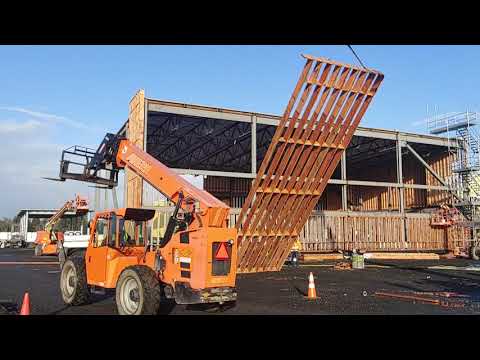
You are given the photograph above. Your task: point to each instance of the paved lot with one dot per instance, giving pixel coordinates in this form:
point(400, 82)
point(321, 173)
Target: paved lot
point(341, 292)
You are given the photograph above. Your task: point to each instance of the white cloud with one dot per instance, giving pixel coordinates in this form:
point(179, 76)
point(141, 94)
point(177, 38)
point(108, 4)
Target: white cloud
point(25, 163)
point(31, 150)
point(12, 127)
point(47, 117)
point(419, 123)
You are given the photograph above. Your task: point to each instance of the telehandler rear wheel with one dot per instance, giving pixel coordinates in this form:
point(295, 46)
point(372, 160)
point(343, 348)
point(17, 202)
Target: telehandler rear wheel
point(73, 282)
point(138, 291)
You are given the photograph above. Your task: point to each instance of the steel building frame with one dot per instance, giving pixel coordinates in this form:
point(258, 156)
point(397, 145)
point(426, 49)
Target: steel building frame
point(207, 141)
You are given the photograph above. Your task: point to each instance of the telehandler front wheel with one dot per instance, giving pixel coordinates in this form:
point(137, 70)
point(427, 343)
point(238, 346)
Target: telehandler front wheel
point(73, 282)
point(138, 291)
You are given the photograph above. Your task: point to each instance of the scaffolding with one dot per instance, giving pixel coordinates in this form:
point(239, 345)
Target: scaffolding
point(466, 167)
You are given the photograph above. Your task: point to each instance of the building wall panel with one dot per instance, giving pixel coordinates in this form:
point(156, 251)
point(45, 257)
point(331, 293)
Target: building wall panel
point(442, 165)
point(334, 230)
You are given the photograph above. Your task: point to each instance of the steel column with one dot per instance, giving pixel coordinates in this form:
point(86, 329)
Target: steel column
point(254, 145)
point(343, 169)
point(400, 174)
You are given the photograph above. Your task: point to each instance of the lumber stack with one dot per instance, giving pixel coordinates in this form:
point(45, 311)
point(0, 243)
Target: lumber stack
point(402, 256)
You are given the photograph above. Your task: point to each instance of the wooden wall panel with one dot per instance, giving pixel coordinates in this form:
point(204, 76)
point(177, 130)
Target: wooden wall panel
point(442, 165)
point(324, 111)
point(136, 134)
point(227, 185)
point(331, 198)
point(367, 198)
point(413, 173)
point(330, 231)
point(364, 198)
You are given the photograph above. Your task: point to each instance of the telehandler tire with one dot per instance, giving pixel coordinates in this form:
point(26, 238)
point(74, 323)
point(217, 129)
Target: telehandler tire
point(73, 282)
point(475, 252)
point(138, 291)
point(38, 250)
point(61, 258)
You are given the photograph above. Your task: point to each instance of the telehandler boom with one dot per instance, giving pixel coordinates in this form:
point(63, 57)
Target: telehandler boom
point(195, 261)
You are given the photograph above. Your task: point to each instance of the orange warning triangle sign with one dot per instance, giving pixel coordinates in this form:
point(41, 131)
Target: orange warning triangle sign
point(222, 253)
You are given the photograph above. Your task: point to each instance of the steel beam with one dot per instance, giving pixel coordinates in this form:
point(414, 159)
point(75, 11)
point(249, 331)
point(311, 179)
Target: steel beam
point(343, 169)
point(214, 173)
point(197, 111)
point(267, 119)
point(387, 184)
point(400, 173)
point(330, 182)
point(253, 145)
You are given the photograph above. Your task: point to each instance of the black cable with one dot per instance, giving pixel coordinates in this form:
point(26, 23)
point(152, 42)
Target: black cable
point(354, 53)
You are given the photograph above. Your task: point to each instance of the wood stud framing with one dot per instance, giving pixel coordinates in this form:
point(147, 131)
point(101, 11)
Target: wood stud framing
point(324, 110)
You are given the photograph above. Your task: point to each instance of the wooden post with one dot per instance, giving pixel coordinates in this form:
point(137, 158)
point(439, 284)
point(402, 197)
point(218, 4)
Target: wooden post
point(136, 134)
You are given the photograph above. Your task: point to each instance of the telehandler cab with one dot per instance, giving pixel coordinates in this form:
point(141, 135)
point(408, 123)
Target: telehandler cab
point(195, 261)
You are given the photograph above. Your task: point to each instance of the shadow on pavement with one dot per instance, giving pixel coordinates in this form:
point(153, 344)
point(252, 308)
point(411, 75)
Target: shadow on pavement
point(8, 308)
point(166, 307)
point(211, 308)
point(467, 283)
point(56, 312)
point(441, 273)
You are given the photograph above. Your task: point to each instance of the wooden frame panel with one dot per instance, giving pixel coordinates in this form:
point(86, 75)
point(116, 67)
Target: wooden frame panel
point(324, 110)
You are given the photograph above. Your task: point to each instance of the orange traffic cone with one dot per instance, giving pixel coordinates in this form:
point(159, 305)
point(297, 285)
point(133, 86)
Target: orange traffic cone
point(25, 310)
point(312, 293)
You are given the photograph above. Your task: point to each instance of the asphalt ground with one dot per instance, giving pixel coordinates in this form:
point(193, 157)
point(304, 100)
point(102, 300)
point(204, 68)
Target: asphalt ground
point(349, 292)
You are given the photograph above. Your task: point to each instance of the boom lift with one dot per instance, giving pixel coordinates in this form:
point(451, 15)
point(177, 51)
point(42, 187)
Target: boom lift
point(47, 239)
point(196, 260)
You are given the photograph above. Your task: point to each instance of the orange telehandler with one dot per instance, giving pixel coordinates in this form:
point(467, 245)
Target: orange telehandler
point(47, 239)
point(195, 261)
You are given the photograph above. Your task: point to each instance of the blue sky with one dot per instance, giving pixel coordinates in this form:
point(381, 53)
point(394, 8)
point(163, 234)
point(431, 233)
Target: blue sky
point(55, 96)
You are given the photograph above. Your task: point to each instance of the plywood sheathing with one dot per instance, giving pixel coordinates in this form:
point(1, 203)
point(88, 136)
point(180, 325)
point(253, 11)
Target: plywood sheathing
point(136, 134)
point(324, 110)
